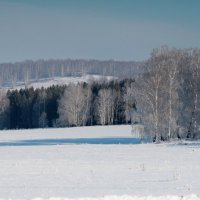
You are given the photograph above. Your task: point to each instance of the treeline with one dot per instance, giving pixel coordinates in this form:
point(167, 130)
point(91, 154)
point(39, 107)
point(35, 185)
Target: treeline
point(61, 106)
point(168, 94)
point(165, 98)
point(12, 74)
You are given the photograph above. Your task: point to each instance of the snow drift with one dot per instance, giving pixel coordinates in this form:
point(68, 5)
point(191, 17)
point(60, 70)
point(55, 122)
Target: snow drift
point(125, 197)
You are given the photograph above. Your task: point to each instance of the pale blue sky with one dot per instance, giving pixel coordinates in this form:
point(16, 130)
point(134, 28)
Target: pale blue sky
point(96, 29)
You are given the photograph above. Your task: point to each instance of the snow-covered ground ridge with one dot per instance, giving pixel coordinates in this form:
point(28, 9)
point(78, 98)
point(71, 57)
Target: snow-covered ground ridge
point(48, 82)
point(126, 197)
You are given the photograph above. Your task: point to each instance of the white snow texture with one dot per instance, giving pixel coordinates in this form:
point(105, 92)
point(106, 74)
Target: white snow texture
point(125, 197)
point(95, 163)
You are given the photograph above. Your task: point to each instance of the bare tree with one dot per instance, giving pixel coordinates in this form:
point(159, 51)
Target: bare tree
point(13, 77)
point(195, 85)
point(129, 101)
point(149, 94)
point(172, 71)
point(37, 71)
point(106, 106)
point(4, 102)
point(51, 71)
point(170, 60)
point(26, 73)
point(74, 105)
point(62, 70)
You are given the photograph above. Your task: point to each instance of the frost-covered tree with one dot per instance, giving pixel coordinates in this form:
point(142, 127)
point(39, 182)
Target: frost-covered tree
point(150, 95)
point(171, 65)
point(106, 106)
point(26, 74)
point(4, 102)
point(129, 101)
point(74, 105)
point(169, 59)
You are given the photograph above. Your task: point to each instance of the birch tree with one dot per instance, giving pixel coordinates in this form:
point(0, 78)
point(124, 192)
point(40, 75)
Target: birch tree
point(13, 77)
point(26, 71)
point(62, 70)
point(129, 101)
point(51, 72)
point(3, 101)
point(37, 71)
point(150, 95)
point(74, 105)
point(171, 59)
point(106, 106)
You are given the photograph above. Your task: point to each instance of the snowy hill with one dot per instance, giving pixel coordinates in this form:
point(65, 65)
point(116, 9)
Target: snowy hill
point(44, 163)
point(61, 81)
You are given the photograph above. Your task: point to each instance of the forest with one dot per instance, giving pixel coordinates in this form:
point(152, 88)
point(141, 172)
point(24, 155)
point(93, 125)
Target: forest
point(70, 105)
point(26, 72)
point(163, 95)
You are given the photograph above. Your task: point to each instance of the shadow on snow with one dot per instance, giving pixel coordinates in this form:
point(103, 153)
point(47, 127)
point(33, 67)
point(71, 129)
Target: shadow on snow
point(62, 141)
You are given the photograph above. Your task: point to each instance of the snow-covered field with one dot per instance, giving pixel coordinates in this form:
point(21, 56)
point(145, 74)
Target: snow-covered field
point(97, 162)
point(61, 81)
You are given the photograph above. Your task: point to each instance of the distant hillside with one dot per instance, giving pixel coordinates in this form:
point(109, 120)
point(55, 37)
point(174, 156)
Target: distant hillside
point(48, 82)
point(27, 72)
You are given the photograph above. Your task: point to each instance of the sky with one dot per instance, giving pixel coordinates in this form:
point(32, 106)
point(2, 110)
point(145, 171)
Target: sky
point(95, 29)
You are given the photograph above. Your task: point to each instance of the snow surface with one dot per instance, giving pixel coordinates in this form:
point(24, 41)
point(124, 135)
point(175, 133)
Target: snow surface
point(125, 197)
point(92, 163)
point(45, 83)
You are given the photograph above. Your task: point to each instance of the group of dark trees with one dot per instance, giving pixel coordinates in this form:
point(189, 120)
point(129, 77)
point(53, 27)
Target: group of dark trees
point(69, 105)
point(163, 95)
